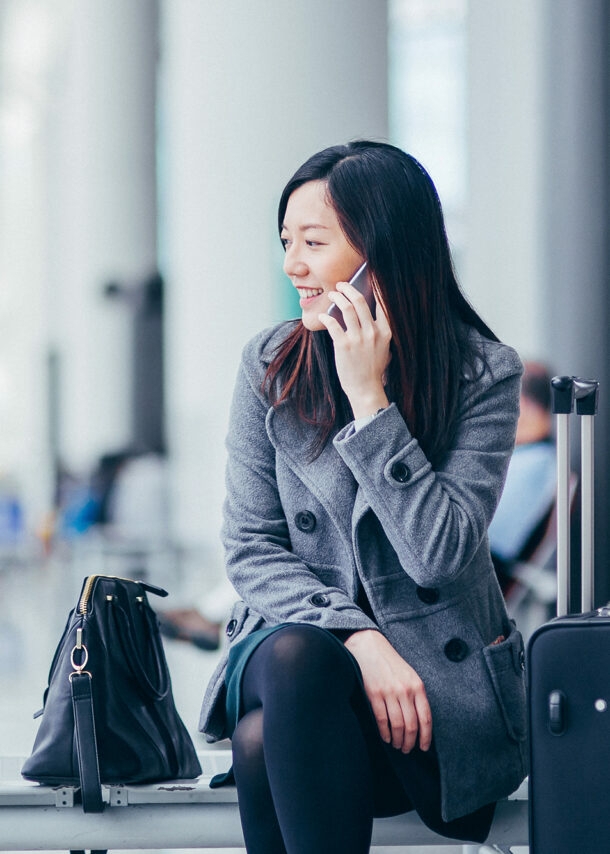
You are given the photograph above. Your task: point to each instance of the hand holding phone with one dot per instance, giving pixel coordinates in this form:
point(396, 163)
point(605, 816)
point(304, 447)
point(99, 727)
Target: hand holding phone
point(362, 282)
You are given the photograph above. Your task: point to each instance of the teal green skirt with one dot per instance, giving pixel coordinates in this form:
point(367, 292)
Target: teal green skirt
point(239, 655)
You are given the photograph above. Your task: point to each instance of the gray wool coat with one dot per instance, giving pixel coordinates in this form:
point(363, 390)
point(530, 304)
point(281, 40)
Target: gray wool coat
point(301, 536)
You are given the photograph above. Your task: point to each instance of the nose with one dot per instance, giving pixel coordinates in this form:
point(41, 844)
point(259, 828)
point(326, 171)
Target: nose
point(294, 267)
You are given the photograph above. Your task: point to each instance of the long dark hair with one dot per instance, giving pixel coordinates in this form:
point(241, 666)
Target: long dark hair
point(389, 211)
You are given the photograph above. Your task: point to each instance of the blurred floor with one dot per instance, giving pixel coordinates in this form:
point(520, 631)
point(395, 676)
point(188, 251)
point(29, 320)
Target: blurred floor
point(34, 605)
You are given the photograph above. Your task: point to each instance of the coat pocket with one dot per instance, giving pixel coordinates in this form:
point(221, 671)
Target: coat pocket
point(506, 666)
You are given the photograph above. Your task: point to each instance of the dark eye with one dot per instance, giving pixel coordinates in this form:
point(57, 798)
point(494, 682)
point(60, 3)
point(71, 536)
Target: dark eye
point(284, 241)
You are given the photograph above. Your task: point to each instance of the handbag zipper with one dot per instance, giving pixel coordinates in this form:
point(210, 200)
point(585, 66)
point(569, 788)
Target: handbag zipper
point(86, 594)
point(84, 599)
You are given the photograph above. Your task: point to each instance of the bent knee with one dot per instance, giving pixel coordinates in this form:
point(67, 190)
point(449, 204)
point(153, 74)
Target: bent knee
point(312, 658)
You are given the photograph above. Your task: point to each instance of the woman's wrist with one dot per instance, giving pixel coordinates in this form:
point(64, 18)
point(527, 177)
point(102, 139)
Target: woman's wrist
point(369, 405)
point(359, 637)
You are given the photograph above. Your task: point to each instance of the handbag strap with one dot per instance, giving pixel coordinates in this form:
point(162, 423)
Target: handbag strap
point(86, 744)
point(159, 686)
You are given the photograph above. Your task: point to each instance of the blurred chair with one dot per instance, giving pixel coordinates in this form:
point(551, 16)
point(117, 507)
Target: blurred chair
point(530, 582)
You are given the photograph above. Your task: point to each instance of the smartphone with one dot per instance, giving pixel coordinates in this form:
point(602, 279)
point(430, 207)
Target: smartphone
point(362, 282)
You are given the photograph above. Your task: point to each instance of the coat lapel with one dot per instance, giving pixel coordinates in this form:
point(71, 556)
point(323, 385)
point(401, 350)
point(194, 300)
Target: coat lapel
point(326, 477)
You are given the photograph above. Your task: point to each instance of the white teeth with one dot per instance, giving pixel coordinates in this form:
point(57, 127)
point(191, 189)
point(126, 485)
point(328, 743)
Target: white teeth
point(305, 293)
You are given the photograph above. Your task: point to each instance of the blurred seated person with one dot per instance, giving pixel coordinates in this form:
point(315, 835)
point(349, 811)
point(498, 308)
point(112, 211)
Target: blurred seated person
point(530, 487)
point(189, 624)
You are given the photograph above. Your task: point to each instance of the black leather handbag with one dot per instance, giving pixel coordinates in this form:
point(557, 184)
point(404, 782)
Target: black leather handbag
point(109, 714)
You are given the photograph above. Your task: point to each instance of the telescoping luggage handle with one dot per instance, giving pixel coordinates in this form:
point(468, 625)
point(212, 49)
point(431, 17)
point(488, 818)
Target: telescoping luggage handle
point(565, 392)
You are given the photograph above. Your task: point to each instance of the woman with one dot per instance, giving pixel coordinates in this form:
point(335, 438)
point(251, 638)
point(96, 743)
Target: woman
point(372, 667)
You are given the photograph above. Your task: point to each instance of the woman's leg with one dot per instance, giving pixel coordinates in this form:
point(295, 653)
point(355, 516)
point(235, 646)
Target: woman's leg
point(299, 755)
point(259, 821)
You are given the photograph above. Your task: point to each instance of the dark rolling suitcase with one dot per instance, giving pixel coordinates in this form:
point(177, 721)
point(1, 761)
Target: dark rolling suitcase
point(569, 673)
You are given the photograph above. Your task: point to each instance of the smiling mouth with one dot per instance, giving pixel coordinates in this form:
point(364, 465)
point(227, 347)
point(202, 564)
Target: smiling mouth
point(307, 293)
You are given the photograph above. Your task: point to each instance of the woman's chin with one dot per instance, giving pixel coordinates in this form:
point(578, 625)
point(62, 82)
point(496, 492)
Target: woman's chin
point(312, 322)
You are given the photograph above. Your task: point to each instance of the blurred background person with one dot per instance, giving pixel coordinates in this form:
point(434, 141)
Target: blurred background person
point(522, 524)
point(529, 491)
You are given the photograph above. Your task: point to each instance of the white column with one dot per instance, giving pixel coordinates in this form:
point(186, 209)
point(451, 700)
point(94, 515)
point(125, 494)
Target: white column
point(503, 264)
point(249, 91)
point(25, 469)
point(576, 184)
point(102, 209)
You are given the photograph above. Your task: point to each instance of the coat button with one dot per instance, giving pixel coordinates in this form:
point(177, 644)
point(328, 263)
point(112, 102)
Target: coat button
point(428, 595)
point(230, 629)
point(456, 649)
point(400, 472)
point(320, 600)
point(305, 521)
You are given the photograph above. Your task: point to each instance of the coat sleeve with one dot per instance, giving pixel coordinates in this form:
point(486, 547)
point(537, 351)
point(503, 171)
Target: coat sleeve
point(260, 563)
point(436, 520)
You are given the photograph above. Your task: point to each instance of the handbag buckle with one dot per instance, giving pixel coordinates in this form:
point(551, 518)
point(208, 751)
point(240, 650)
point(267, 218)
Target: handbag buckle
point(80, 647)
point(79, 672)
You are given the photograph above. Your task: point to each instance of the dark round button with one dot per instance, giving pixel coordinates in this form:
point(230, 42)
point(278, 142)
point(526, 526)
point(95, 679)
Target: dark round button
point(230, 629)
point(320, 600)
point(305, 521)
point(456, 649)
point(400, 472)
point(428, 595)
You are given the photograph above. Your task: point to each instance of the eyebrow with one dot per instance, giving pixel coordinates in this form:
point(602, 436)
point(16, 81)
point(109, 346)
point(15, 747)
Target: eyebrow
point(309, 225)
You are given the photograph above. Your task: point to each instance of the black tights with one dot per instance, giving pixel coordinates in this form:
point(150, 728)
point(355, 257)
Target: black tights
point(300, 757)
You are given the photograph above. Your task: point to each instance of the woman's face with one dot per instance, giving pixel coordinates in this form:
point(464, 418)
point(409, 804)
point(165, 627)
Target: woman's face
point(317, 252)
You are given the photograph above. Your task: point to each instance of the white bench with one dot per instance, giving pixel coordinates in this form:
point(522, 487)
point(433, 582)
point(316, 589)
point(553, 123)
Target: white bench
point(184, 814)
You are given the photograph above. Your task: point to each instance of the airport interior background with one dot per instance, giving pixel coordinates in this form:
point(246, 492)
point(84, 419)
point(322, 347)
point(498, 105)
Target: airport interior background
point(143, 147)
